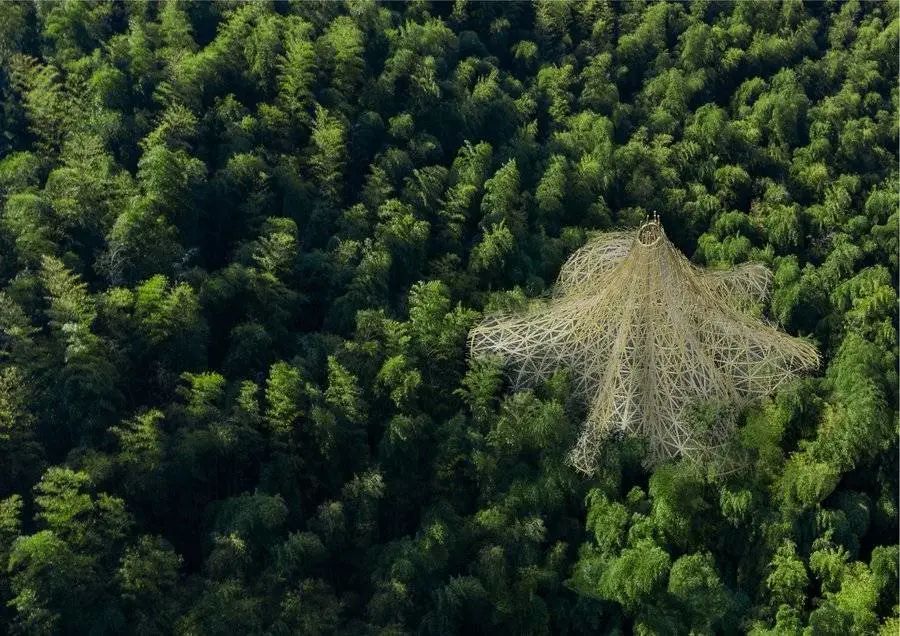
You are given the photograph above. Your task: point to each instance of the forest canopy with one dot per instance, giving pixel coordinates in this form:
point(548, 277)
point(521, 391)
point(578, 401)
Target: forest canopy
point(242, 246)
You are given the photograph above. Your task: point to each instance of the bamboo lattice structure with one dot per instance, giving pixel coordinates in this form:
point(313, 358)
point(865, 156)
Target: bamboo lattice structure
point(647, 335)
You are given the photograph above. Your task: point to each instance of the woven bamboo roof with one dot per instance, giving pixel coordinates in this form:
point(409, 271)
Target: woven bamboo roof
point(646, 336)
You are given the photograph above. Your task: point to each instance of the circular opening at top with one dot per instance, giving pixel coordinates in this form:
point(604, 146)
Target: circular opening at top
point(649, 233)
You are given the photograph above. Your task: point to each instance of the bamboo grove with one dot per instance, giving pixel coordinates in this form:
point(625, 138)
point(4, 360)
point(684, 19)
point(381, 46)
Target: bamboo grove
point(243, 246)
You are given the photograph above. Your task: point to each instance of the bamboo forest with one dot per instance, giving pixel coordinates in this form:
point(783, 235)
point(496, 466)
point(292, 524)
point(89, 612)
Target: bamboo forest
point(385, 318)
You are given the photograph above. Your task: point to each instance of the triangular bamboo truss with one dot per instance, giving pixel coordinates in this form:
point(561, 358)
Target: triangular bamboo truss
point(646, 336)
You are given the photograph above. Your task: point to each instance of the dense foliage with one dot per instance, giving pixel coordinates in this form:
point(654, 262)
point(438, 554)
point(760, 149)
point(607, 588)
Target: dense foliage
point(241, 246)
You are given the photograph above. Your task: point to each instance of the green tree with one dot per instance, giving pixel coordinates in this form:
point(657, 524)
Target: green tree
point(328, 154)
